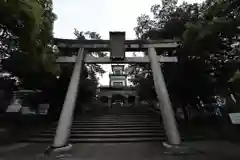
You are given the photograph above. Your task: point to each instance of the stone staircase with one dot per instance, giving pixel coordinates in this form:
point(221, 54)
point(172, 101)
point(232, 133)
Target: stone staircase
point(116, 125)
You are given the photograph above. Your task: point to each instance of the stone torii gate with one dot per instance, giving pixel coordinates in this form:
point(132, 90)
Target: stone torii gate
point(117, 45)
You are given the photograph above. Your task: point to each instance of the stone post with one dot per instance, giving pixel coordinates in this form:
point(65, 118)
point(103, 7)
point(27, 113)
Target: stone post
point(110, 102)
point(126, 102)
point(136, 100)
point(163, 97)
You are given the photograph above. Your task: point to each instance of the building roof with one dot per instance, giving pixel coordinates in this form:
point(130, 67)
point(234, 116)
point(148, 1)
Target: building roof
point(116, 88)
point(113, 75)
point(113, 66)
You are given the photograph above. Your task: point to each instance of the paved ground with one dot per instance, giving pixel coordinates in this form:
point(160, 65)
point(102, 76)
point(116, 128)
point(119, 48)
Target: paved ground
point(127, 151)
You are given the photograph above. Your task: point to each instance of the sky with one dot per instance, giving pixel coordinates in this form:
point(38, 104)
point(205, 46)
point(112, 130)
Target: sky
point(100, 16)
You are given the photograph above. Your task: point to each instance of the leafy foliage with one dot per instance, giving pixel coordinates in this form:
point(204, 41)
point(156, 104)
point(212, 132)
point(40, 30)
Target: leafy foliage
point(89, 81)
point(26, 35)
point(209, 51)
point(26, 50)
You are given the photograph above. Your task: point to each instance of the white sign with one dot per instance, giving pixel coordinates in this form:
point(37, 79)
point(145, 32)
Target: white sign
point(14, 107)
point(26, 110)
point(235, 118)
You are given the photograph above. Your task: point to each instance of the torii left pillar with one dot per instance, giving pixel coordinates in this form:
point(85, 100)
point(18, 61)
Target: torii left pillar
point(60, 142)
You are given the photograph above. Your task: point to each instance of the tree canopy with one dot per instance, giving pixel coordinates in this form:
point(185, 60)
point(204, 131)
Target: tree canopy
point(28, 54)
point(89, 81)
point(26, 50)
point(26, 41)
point(209, 50)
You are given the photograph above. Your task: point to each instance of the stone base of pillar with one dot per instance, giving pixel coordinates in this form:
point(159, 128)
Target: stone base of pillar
point(179, 149)
point(52, 151)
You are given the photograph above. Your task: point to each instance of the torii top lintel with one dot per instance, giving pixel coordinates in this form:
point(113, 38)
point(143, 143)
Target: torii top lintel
point(117, 44)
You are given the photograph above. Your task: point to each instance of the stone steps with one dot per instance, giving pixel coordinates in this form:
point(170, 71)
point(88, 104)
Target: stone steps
point(103, 135)
point(101, 140)
point(113, 127)
point(114, 121)
point(108, 131)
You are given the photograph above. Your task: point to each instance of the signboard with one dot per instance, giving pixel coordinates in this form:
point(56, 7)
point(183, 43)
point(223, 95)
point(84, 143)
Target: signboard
point(235, 118)
point(117, 45)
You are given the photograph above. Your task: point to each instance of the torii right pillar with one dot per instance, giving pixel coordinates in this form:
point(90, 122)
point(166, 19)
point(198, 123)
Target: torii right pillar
point(163, 97)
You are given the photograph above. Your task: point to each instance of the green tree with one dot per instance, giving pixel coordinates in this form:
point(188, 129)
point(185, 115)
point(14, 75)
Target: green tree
point(208, 50)
point(88, 81)
point(26, 35)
